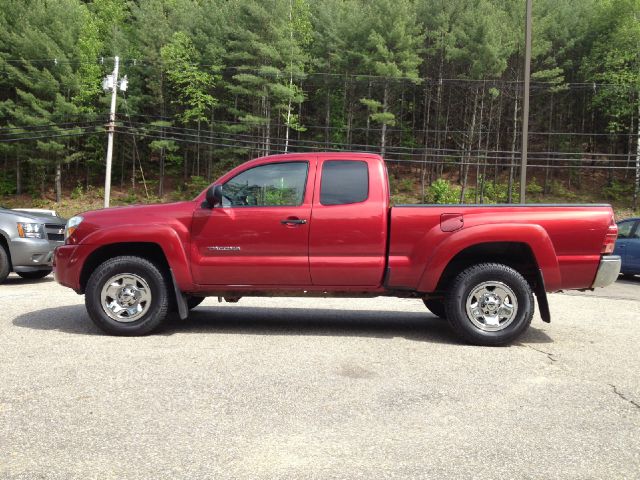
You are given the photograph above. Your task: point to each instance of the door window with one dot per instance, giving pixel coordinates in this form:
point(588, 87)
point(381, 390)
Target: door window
point(624, 229)
point(344, 182)
point(275, 184)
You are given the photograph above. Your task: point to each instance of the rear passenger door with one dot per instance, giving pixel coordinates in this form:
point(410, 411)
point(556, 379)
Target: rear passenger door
point(347, 238)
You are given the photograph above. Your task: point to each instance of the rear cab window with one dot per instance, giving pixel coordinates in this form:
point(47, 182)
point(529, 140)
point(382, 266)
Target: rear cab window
point(344, 182)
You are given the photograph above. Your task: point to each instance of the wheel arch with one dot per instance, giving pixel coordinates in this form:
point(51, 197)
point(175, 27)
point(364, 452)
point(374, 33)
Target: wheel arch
point(517, 255)
point(148, 250)
point(525, 247)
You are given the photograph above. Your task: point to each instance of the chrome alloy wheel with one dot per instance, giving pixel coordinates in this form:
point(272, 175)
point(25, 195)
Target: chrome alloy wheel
point(491, 306)
point(125, 297)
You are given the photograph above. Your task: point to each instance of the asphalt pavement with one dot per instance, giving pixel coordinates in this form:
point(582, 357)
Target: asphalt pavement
point(317, 388)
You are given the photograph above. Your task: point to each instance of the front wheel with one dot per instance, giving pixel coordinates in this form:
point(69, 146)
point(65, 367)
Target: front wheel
point(127, 296)
point(5, 264)
point(35, 275)
point(490, 304)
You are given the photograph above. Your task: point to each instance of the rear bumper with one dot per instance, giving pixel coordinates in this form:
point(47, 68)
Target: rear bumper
point(608, 271)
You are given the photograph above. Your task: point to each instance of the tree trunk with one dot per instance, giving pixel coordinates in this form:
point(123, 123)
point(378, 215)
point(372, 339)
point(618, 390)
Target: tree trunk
point(383, 134)
point(495, 171)
point(267, 142)
point(327, 114)
point(366, 136)
point(425, 127)
point(513, 148)
point(475, 197)
point(198, 152)
point(636, 188)
point(58, 181)
point(18, 175)
point(546, 188)
point(465, 167)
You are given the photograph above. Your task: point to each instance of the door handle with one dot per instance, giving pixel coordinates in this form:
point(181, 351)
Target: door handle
point(293, 221)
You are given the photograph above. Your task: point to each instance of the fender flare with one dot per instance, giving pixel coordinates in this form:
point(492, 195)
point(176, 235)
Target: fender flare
point(166, 237)
point(534, 236)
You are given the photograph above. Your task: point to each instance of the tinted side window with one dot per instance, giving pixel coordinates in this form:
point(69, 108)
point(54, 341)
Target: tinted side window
point(344, 182)
point(636, 234)
point(276, 184)
point(624, 229)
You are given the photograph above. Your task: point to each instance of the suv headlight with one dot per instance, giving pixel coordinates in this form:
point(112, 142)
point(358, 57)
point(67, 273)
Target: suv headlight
point(72, 226)
point(30, 230)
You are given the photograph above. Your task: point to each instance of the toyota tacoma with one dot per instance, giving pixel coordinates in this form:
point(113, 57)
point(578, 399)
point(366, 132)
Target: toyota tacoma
point(321, 224)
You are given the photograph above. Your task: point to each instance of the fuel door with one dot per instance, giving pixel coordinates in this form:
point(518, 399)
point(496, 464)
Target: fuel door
point(450, 222)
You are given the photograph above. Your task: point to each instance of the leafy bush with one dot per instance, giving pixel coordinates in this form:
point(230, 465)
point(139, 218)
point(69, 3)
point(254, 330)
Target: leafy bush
point(192, 188)
point(78, 192)
point(616, 191)
point(7, 187)
point(533, 187)
point(442, 192)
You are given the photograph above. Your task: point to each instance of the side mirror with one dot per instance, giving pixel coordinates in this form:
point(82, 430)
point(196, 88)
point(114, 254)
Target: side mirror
point(214, 196)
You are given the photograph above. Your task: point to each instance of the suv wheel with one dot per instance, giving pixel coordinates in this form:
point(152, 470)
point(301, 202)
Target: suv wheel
point(127, 296)
point(5, 266)
point(490, 304)
point(35, 275)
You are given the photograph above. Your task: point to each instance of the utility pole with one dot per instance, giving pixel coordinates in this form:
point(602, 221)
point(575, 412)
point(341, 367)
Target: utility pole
point(525, 103)
point(112, 83)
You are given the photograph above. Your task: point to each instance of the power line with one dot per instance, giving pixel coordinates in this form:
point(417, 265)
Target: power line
point(429, 80)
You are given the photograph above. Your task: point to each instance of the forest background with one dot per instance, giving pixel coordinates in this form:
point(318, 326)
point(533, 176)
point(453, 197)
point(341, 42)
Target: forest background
point(434, 85)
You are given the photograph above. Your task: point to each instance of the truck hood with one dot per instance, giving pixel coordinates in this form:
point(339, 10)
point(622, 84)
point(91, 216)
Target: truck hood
point(135, 213)
point(132, 218)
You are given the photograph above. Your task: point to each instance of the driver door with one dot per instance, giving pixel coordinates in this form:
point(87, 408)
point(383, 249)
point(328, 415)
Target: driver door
point(260, 234)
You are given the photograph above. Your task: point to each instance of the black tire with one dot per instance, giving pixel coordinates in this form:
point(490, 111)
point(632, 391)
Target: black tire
point(157, 307)
point(463, 288)
point(36, 275)
point(436, 306)
point(193, 302)
point(5, 264)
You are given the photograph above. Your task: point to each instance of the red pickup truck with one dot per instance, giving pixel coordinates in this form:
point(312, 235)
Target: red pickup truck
point(320, 224)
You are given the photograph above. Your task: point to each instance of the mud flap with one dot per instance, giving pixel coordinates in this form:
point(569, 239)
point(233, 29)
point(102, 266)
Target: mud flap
point(181, 299)
point(541, 295)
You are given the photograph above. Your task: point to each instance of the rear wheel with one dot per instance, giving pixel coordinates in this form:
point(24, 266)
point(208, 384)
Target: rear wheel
point(35, 275)
point(127, 296)
point(5, 266)
point(490, 304)
point(436, 306)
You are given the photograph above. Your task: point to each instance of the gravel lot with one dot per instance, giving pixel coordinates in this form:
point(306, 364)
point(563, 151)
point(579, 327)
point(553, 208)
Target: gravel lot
point(317, 388)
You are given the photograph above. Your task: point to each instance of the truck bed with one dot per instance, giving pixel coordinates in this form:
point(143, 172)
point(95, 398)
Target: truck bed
point(431, 234)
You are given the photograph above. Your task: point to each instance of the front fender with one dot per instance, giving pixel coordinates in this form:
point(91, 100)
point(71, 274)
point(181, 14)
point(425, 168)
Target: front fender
point(172, 243)
point(532, 235)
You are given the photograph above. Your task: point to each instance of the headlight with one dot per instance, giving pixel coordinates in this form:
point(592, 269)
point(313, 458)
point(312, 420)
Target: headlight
point(72, 226)
point(30, 230)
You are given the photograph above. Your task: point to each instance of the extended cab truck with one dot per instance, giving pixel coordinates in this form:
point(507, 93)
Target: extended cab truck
point(321, 224)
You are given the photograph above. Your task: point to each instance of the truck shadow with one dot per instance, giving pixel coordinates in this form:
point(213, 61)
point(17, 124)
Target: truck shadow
point(414, 326)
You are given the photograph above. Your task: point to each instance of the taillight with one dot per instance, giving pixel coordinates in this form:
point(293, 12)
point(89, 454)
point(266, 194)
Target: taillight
point(609, 243)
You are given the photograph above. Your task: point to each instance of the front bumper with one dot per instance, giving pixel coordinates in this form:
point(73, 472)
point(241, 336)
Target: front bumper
point(29, 255)
point(608, 271)
point(67, 264)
